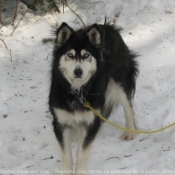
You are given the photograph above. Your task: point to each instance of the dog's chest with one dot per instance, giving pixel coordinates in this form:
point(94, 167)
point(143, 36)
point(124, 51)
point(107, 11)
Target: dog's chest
point(74, 118)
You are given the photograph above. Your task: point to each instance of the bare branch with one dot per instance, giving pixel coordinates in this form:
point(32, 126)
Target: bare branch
point(113, 158)
point(55, 6)
point(54, 18)
point(4, 43)
point(93, 2)
point(11, 55)
point(74, 12)
point(15, 12)
point(0, 12)
point(24, 15)
point(7, 49)
point(8, 22)
point(44, 15)
point(63, 5)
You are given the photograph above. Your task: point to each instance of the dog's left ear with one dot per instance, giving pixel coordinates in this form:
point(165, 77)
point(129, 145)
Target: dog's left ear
point(95, 35)
point(63, 34)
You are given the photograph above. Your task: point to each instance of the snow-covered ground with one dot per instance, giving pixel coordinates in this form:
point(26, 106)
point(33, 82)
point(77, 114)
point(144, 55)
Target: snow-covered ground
point(27, 141)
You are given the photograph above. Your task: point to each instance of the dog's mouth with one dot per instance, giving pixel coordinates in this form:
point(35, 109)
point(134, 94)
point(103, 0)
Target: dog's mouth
point(78, 82)
point(75, 77)
point(78, 79)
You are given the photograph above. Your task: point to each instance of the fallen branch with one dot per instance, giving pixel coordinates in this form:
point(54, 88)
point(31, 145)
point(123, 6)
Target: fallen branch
point(74, 12)
point(11, 55)
point(4, 43)
point(48, 56)
point(15, 12)
point(29, 166)
point(93, 2)
point(0, 12)
point(113, 158)
point(51, 157)
point(43, 16)
point(54, 18)
point(55, 6)
point(8, 22)
point(23, 16)
point(63, 5)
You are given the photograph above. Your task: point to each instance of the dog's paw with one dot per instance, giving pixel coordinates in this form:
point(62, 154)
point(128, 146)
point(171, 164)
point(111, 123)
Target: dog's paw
point(128, 136)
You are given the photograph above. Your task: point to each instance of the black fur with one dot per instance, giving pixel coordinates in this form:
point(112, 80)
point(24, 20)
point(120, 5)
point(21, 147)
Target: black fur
point(114, 60)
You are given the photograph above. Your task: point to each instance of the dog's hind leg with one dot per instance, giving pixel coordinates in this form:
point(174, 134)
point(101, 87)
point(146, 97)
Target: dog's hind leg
point(63, 135)
point(115, 95)
point(129, 116)
point(130, 122)
point(86, 137)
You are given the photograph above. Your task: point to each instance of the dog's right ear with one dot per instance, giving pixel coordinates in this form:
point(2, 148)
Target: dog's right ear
point(63, 34)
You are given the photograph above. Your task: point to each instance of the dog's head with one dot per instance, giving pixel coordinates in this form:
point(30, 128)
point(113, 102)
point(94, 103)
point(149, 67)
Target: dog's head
point(79, 53)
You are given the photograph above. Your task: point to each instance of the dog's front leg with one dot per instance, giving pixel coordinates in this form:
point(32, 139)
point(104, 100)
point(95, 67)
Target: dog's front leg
point(63, 135)
point(86, 137)
point(66, 153)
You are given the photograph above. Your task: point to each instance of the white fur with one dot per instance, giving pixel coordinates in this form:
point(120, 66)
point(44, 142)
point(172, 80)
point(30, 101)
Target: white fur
point(114, 96)
point(66, 154)
point(83, 155)
point(74, 120)
point(68, 65)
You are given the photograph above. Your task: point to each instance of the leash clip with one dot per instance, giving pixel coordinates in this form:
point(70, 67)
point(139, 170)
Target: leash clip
point(80, 97)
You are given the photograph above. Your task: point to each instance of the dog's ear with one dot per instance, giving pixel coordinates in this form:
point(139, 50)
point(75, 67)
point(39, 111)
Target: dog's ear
point(95, 35)
point(63, 34)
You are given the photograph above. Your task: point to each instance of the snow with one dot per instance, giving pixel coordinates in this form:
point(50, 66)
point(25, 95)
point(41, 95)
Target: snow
point(27, 141)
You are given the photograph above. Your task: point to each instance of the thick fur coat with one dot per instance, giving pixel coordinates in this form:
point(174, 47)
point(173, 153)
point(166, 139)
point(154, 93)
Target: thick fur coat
point(96, 62)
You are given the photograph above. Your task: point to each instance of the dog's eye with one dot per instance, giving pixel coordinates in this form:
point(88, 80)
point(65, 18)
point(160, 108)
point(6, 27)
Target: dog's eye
point(86, 55)
point(70, 55)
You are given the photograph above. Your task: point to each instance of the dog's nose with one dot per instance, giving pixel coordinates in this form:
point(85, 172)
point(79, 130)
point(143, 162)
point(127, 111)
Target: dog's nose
point(78, 72)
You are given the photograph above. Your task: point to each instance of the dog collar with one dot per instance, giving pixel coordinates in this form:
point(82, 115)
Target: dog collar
point(80, 97)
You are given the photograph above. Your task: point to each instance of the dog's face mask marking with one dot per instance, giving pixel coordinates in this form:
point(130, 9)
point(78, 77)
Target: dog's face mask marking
point(77, 68)
point(77, 63)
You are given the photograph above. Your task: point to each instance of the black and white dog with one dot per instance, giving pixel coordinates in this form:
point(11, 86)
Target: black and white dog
point(96, 63)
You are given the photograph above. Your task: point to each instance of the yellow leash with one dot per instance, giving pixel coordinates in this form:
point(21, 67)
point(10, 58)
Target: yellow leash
point(87, 105)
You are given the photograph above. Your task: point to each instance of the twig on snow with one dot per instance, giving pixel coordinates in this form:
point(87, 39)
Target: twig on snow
point(127, 155)
point(9, 21)
point(55, 6)
point(24, 15)
point(48, 56)
point(4, 43)
point(43, 15)
point(113, 158)
point(54, 18)
point(29, 166)
point(11, 55)
point(0, 12)
point(93, 2)
point(15, 12)
point(74, 12)
point(63, 5)
point(51, 157)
